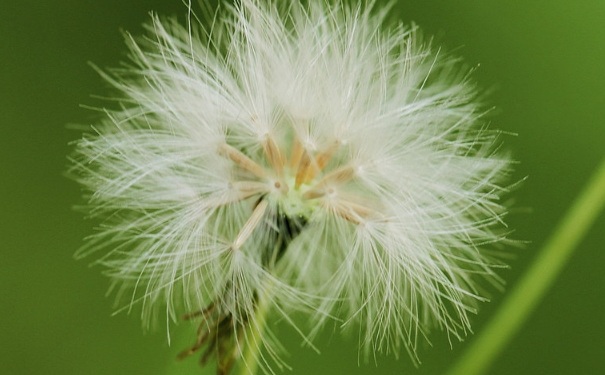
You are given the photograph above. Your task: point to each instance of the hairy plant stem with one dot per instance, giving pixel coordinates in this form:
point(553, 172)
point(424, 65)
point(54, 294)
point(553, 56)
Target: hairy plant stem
point(249, 360)
point(536, 281)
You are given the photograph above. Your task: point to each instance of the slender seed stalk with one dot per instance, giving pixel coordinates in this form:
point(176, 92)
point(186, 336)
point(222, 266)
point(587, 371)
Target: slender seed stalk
point(536, 282)
point(250, 358)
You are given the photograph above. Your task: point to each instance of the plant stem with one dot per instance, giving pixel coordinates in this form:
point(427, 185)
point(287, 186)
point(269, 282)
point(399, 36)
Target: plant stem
point(536, 281)
point(254, 341)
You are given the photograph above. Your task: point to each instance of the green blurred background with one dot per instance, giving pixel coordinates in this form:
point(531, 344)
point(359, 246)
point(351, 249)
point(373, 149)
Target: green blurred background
point(545, 59)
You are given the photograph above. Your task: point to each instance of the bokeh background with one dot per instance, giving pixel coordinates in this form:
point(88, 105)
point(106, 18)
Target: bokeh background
point(545, 61)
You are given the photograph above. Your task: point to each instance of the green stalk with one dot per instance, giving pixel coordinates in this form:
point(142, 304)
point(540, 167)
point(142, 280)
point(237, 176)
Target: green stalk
point(253, 344)
point(536, 281)
point(249, 361)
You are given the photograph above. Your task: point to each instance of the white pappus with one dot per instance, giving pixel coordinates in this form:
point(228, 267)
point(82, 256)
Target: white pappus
point(295, 158)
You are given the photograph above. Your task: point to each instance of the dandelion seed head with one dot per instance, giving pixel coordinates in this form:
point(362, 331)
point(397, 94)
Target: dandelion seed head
point(306, 153)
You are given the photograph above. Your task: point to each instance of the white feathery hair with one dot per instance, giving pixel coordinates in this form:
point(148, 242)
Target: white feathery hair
point(369, 142)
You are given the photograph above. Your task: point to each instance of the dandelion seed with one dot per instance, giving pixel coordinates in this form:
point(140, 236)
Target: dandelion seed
point(304, 158)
